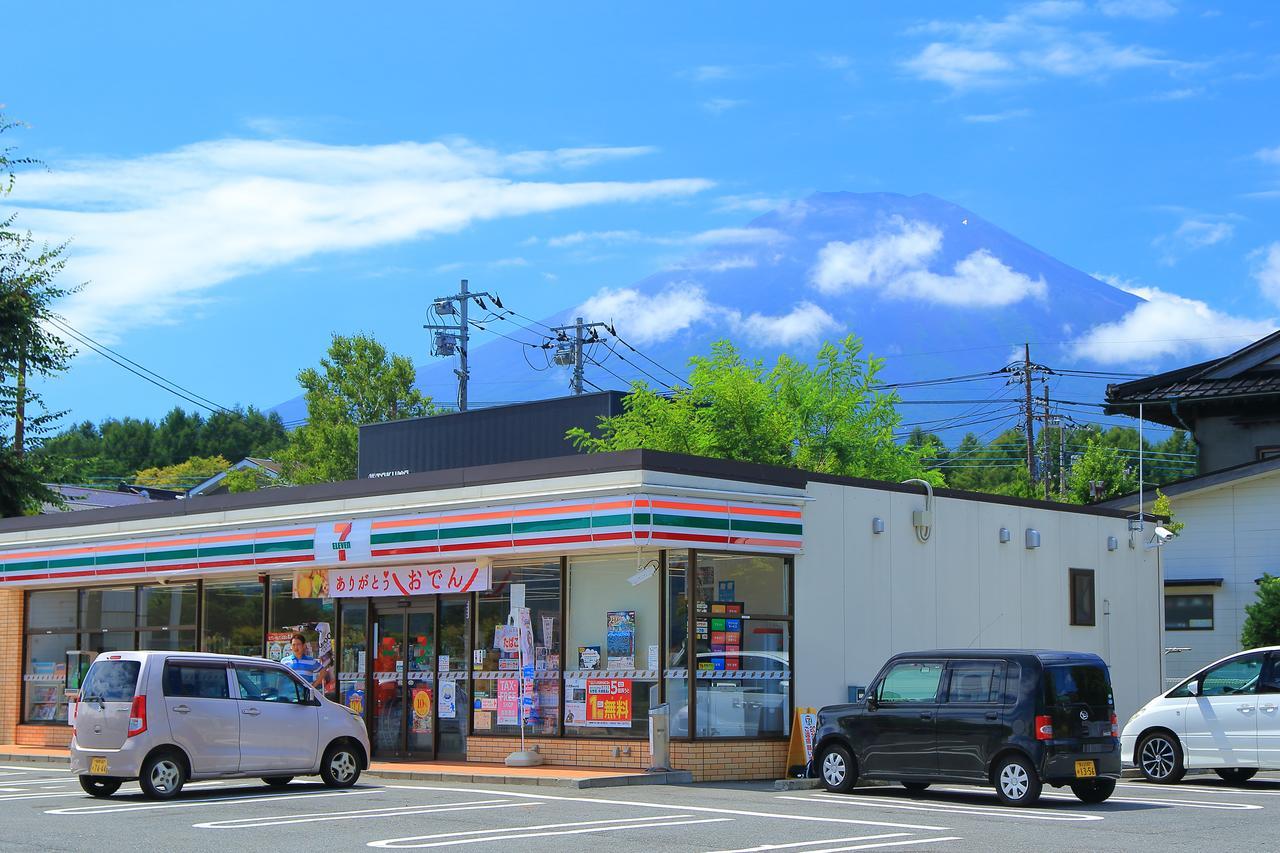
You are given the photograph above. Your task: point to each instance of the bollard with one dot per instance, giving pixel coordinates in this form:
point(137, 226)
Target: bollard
point(660, 739)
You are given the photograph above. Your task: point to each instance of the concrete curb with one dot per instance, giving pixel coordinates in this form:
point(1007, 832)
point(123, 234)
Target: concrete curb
point(674, 777)
point(49, 760)
point(815, 784)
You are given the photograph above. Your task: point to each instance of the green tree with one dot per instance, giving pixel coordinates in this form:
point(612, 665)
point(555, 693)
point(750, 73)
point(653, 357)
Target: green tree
point(358, 382)
point(830, 417)
point(1262, 618)
point(1163, 506)
point(245, 480)
point(1101, 463)
point(184, 475)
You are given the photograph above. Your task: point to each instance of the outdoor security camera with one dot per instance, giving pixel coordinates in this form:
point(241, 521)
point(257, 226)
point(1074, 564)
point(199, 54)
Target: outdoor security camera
point(1163, 534)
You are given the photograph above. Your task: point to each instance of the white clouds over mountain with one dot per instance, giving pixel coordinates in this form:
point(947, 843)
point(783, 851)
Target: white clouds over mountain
point(157, 233)
point(895, 264)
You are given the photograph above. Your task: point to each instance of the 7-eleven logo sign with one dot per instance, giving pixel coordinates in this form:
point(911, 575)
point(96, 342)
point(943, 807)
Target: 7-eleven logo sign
point(342, 541)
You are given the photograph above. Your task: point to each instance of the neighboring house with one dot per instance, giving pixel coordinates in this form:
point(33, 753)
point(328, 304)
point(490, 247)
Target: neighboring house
point(269, 468)
point(82, 497)
point(1231, 406)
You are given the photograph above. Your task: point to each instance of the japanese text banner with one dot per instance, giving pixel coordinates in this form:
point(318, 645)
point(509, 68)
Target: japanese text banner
point(437, 578)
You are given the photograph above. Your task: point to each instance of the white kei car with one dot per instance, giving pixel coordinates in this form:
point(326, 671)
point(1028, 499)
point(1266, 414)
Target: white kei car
point(1225, 718)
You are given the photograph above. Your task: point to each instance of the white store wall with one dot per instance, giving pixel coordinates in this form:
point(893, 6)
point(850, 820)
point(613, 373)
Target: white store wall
point(862, 597)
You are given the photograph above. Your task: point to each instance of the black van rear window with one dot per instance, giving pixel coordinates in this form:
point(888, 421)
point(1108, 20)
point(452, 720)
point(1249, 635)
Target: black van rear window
point(111, 680)
point(1076, 684)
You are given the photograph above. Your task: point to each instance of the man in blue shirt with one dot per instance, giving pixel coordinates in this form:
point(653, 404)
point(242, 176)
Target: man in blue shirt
point(310, 669)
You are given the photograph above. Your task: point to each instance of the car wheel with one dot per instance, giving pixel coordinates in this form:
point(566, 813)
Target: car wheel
point(1096, 791)
point(1236, 775)
point(1017, 783)
point(277, 781)
point(96, 786)
point(839, 772)
point(916, 787)
point(341, 766)
point(163, 776)
point(1160, 758)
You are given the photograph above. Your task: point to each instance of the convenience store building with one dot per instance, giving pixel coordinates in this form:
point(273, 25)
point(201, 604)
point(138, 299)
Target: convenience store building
point(732, 592)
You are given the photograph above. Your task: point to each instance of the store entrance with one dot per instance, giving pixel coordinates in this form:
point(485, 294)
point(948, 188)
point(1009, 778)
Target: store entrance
point(420, 678)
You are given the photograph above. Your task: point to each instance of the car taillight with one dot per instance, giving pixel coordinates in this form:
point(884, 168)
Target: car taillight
point(1044, 727)
point(138, 716)
point(1115, 725)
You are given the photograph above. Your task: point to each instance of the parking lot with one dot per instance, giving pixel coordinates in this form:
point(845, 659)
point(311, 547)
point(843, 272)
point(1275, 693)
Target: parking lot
point(44, 808)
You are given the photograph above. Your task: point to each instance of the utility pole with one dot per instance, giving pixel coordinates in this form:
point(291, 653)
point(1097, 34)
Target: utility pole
point(20, 409)
point(1062, 457)
point(569, 350)
point(454, 338)
point(1030, 425)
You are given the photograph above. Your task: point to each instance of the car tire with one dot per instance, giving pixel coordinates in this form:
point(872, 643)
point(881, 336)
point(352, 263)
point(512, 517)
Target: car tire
point(1017, 783)
point(96, 786)
point(1097, 791)
point(838, 770)
point(916, 787)
point(1236, 775)
point(277, 781)
point(163, 776)
point(1159, 759)
point(341, 765)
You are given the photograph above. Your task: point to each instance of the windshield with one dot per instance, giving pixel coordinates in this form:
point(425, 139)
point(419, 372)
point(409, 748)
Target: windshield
point(1078, 684)
point(111, 680)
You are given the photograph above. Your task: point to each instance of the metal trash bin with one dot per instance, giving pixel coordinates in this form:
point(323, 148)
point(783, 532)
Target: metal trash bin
point(660, 739)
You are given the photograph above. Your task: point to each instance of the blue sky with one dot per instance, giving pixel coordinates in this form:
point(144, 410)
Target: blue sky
point(241, 181)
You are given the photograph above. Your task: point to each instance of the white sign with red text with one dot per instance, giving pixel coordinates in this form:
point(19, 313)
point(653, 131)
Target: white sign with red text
point(433, 579)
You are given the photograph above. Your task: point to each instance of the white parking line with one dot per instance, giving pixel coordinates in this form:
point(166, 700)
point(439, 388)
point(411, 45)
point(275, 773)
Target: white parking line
point(1151, 801)
point(29, 796)
point(8, 783)
point(705, 809)
point(483, 836)
point(1205, 789)
point(390, 811)
point(29, 768)
point(187, 804)
point(947, 808)
point(764, 847)
point(912, 842)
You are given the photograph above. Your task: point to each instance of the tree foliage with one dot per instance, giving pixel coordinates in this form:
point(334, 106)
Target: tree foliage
point(830, 417)
point(184, 475)
point(1103, 466)
point(1262, 617)
point(358, 382)
point(1163, 506)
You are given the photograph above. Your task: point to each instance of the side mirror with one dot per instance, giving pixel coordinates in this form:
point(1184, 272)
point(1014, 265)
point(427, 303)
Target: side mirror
point(872, 704)
point(1194, 688)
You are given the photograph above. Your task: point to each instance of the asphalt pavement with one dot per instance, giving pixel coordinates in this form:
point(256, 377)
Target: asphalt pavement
point(43, 808)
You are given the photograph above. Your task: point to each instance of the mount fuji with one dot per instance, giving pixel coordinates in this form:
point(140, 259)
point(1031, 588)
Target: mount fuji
point(931, 287)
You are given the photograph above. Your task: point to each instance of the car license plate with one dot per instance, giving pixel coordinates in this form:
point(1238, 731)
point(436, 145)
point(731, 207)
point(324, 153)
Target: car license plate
point(98, 766)
point(1086, 769)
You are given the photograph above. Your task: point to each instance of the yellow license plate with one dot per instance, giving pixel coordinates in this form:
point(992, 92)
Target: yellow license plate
point(1086, 768)
point(98, 766)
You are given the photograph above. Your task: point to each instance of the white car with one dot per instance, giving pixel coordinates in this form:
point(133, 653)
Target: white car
point(1225, 718)
point(166, 718)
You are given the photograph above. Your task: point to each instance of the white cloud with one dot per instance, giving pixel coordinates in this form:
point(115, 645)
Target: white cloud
point(748, 203)
point(1268, 272)
point(707, 73)
point(1143, 9)
point(645, 319)
point(716, 106)
point(993, 118)
point(1178, 94)
point(713, 237)
point(895, 263)
point(732, 262)
point(1268, 155)
point(1031, 42)
point(1165, 325)
point(155, 234)
point(1193, 233)
point(806, 323)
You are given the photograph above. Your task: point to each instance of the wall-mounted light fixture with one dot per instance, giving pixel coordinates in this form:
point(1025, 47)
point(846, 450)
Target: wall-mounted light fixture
point(1112, 543)
point(1004, 535)
point(1033, 538)
point(877, 525)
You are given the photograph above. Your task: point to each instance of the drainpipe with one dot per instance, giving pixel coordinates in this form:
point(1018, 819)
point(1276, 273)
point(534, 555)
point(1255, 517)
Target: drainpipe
point(1173, 410)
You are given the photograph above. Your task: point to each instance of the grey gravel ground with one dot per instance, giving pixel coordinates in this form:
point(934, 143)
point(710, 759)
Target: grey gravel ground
point(43, 808)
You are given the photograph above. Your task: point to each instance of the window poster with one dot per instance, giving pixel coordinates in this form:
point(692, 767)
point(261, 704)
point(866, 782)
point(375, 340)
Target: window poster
point(420, 697)
point(575, 702)
point(448, 700)
point(620, 639)
point(608, 702)
point(588, 657)
point(508, 701)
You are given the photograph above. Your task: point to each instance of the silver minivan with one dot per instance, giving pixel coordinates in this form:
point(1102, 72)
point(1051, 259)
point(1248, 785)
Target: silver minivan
point(165, 718)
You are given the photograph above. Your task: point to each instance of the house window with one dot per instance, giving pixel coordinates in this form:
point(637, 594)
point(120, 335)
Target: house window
point(1082, 599)
point(1188, 612)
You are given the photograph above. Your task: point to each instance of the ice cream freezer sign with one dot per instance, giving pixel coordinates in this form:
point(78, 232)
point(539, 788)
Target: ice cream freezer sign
point(430, 579)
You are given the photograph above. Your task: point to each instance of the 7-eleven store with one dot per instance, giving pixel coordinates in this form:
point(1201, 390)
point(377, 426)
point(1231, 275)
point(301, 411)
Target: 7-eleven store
point(730, 592)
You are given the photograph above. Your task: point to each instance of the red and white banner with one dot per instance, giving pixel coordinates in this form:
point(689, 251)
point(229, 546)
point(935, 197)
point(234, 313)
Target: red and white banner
point(435, 579)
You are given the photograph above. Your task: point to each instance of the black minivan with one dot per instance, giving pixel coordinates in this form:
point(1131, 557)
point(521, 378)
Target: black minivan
point(1012, 719)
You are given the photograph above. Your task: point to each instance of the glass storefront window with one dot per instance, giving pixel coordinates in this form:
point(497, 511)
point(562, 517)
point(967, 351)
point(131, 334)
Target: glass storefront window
point(495, 675)
point(311, 617)
point(676, 673)
point(53, 609)
point(168, 640)
point(167, 606)
point(233, 617)
point(353, 652)
point(758, 583)
point(102, 609)
point(44, 676)
point(610, 638)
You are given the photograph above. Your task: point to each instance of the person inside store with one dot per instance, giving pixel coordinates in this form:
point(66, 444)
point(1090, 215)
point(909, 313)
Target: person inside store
point(311, 670)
